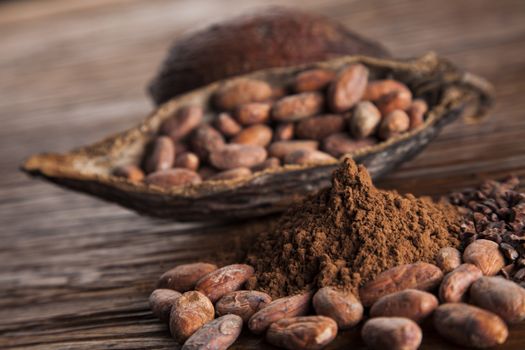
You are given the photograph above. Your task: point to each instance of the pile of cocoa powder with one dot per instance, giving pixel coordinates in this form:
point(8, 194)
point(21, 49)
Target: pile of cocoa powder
point(347, 234)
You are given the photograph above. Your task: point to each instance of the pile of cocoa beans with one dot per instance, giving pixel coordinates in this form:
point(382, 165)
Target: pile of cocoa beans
point(206, 307)
point(318, 117)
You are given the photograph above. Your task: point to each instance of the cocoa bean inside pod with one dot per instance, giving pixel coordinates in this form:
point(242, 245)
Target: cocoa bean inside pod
point(409, 303)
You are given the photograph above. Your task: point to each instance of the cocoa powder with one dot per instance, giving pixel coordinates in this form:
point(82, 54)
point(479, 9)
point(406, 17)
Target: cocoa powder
point(347, 234)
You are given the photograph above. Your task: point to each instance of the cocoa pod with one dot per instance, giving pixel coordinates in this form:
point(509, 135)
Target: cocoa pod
point(503, 297)
point(189, 312)
point(161, 156)
point(348, 87)
point(172, 178)
point(237, 156)
point(409, 303)
point(240, 91)
point(281, 149)
point(485, 255)
point(420, 275)
point(257, 135)
point(292, 306)
point(416, 112)
point(448, 258)
point(302, 333)
point(218, 334)
point(253, 113)
point(183, 277)
point(224, 280)
point(160, 301)
point(318, 128)
point(231, 174)
point(308, 157)
point(185, 120)
point(270, 163)
point(364, 120)
point(296, 107)
point(393, 333)
point(468, 325)
point(131, 172)
point(206, 139)
point(343, 307)
point(243, 303)
point(284, 132)
point(187, 160)
point(394, 123)
point(313, 80)
point(456, 283)
point(340, 144)
point(227, 125)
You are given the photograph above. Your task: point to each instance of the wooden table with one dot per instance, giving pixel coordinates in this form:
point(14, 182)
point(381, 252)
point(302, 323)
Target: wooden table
point(75, 272)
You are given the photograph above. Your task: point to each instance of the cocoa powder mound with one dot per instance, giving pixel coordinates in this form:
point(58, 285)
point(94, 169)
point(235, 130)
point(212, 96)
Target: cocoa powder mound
point(347, 234)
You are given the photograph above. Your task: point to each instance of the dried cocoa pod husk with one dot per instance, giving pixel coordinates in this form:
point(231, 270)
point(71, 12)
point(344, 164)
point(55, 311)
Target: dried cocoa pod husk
point(448, 91)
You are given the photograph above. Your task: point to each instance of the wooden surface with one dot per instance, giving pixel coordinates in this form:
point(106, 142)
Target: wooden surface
point(75, 272)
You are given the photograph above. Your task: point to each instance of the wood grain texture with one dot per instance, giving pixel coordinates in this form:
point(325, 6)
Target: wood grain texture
point(76, 271)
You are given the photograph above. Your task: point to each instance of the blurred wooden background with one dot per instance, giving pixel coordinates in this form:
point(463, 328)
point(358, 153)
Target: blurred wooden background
point(75, 272)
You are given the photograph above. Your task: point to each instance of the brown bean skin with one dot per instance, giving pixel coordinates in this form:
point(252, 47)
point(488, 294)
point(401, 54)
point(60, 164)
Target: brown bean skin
point(469, 325)
point(394, 123)
point(243, 303)
point(161, 156)
point(204, 140)
point(448, 258)
point(503, 297)
point(284, 132)
point(399, 100)
point(416, 112)
point(231, 174)
point(296, 107)
point(257, 135)
point(270, 163)
point(348, 88)
point(185, 120)
point(173, 178)
point(281, 149)
point(392, 333)
point(409, 303)
point(183, 277)
point(227, 125)
point(456, 283)
point(313, 80)
point(131, 172)
point(308, 157)
point(160, 302)
point(343, 307)
point(187, 160)
point(253, 113)
point(340, 144)
point(364, 120)
point(189, 312)
point(224, 280)
point(377, 89)
point(238, 156)
point(485, 255)
point(240, 91)
point(320, 127)
point(218, 334)
point(302, 333)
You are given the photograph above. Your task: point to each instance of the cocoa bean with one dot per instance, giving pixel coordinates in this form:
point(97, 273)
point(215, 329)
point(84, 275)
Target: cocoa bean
point(284, 132)
point(189, 312)
point(364, 120)
point(243, 303)
point(378, 89)
point(340, 144)
point(348, 88)
point(302, 333)
point(420, 275)
point(253, 113)
point(398, 100)
point(308, 157)
point(160, 301)
point(393, 333)
point(240, 91)
point(257, 135)
point(227, 125)
point(185, 120)
point(456, 283)
point(448, 258)
point(218, 334)
point(231, 174)
point(270, 163)
point(183, 277)
point(313, 80)
point(172, 178)
point(504, 298)
point(237, 156)
point(296, 107)
point(281, 149)
point(343, 307)
point(318, 128)
point(395, 123)
point(205, 172)
point(224, 280)
point(416, 113)
point(161, 155)
point(469, 325)
point(130, 172)
point(278, 92)
point(204, 140)
point(409, 303)
point(187, 160)
point(292, 306)
point(485, 255)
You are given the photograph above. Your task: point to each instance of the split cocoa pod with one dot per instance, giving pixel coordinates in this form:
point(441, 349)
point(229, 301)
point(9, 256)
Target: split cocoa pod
point(206, 175)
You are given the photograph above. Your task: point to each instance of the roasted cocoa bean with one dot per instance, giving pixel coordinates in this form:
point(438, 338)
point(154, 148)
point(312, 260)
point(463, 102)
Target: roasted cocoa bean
point(296, 107)
point(378, 89)
point(313, 80)
point(340, 144)
point(206, 139)
point(224, 280)
point(241, 91)
point(308, 157)
point(485, 255)
point(218, 334)
point(302, 333)
point(205, 172)
point(270, 163)
point(243, 303)
point(281, 149)
point(420, 275)
point(394, 123)
point(185, 120)
point(187, 160)
point(238, 156)
point(409, 303)
point(161, 156)
point(393, 333)
point(183, 278)
point(318, 128)
point(448, 258)
point(398, 100)
point(253, 113)
point(172, 178)
point(227, 125)
point(469, 325)
point(284, 132)
point(456, 283)
point(257, 135)
point(364, 120)
point(231, 174)
point(160, 302)
point(189, 312)
point(416, 112)
point(131, 172)
point(341, 306)
point(348, 88)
